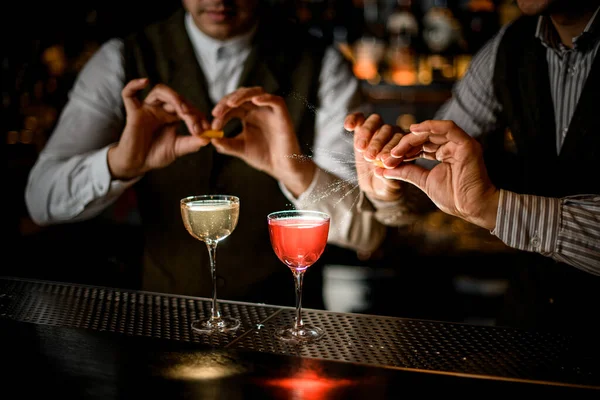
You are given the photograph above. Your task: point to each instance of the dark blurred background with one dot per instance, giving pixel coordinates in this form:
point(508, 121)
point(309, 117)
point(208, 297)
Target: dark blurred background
point(406, 74)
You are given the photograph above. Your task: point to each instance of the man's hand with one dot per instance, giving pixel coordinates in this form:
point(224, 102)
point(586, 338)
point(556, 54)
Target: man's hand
point(268, 140)
point(459, 185)
point(149, 140)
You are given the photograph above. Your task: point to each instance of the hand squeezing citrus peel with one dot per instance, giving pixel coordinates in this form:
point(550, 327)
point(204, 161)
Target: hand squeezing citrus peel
point(212, 134)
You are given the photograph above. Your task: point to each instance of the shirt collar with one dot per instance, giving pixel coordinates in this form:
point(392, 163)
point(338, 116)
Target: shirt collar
point(547, 34)
point(208, 47)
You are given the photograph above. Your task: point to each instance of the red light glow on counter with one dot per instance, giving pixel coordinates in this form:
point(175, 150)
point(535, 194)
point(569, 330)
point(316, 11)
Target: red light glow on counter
point(308, 385)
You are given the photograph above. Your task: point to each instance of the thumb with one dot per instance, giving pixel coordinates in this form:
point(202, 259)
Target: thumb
point(231, 147)
point(410, 173)
point(189, 144)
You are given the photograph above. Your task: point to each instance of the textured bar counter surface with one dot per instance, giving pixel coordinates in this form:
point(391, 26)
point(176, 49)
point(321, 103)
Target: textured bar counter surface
point(455, 350)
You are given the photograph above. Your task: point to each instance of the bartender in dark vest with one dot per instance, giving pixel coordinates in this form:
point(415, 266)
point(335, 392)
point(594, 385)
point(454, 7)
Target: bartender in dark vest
point(116, 133)
point(530, 98)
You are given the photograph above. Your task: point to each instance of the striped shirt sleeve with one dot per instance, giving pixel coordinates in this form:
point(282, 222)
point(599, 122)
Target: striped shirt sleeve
point(565, 229)
point(473, 105)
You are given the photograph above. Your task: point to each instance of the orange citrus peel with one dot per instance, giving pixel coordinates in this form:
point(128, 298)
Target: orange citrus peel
point(212, 134)
point(378, 163)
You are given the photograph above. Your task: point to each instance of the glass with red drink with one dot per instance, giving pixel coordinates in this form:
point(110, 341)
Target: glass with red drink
point(298, 238)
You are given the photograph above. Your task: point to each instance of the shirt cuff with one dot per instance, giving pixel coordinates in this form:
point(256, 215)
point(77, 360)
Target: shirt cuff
point(382, 204)
point(102, 181)
point(394, 213)
point(306, 195)
point(527, 222)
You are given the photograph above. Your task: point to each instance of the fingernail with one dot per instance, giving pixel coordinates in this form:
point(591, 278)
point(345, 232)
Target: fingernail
point(362, 143)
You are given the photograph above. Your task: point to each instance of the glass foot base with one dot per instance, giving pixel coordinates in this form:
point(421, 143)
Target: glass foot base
point(305, 334)
point(210, 325)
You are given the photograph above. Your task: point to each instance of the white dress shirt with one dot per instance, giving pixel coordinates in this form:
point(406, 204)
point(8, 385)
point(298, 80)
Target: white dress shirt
point(71, 181)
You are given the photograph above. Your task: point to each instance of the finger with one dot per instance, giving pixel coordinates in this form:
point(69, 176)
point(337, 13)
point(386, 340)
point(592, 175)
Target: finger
point(426, 155)
point(268, 99)
point(238, 112)
point(129, 94)
point(353, 120)
point(364, 132)
point(410, 145)
point(380, 138)
point(243, 95)
point(445, 152)
point(235, 99)
point(446, 129)
point(164, 96)
point(407, 172)
point(195, 119)
point(430, 136)
point(165, 116)
point(430, 147)
point(189, 144)
point(388, 183)
point(387, 161)
point(169, 108)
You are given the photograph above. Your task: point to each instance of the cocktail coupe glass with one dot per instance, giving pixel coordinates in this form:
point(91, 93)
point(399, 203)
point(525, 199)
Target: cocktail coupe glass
point(298, 238)
point(211, 218)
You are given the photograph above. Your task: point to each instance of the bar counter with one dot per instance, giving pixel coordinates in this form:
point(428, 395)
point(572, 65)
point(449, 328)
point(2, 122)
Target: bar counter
point(90, 342)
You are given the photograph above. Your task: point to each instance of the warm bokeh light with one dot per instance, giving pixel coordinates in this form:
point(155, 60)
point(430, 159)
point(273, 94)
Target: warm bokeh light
point(404, 77)
point(404, 121)
point(12, 137)
point(461, 63)
point(365, 69)
point(55, 59)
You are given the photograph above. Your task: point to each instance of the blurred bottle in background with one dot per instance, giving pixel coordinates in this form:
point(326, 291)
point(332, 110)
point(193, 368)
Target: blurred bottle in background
point(403, 31)
point(443, 36)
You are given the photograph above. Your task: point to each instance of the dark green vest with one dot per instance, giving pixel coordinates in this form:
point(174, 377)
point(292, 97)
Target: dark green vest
point(283, 61)
point(546, 293)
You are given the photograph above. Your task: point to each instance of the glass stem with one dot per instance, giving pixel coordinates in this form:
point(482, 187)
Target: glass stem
point(298, 278)
point(212, 253)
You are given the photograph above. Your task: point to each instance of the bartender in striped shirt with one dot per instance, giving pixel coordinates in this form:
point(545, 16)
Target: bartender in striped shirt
point(528, 168)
